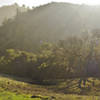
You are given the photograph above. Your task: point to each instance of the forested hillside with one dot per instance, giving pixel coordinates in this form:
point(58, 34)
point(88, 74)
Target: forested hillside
point(54, 44)
point(51, 22)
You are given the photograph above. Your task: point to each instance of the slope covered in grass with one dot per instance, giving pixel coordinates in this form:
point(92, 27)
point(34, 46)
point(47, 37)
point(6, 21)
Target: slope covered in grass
point(11, 88)
point(13, 96)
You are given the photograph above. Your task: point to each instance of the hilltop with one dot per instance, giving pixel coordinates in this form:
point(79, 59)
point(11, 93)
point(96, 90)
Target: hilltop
point(8, 12)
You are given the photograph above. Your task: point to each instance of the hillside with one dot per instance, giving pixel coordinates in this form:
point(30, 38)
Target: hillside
point(51, 52)
point(10, 11)
point(51, 22)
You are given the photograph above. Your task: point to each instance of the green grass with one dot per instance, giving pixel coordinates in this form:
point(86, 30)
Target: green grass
point(13, 96)
point(4, 95)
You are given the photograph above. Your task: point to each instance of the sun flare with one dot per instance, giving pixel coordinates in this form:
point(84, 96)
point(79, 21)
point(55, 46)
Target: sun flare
point(92, 2)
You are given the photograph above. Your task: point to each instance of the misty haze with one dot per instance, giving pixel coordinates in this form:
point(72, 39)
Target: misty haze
point(50, 51)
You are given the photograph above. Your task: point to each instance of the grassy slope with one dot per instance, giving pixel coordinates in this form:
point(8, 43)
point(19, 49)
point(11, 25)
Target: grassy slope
point(11, 89)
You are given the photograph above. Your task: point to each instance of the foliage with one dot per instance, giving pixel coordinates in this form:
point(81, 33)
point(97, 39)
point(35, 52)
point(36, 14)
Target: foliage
point(73, 57)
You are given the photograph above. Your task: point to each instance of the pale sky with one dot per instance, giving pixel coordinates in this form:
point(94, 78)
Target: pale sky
point(40, 2)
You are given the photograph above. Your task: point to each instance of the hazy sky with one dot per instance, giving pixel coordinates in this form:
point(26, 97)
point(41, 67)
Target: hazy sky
point(38, 2)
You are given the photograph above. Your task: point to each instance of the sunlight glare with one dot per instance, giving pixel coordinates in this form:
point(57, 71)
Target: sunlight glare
point(92, 2)
point(39, 2)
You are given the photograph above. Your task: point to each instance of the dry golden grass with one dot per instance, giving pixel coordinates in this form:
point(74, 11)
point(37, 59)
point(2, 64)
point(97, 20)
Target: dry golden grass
point(66, 90)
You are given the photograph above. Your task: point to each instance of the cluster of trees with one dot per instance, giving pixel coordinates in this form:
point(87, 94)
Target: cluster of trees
point(73, 57)
point(30, 46)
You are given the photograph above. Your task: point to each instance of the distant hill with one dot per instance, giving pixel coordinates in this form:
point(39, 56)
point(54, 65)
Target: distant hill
point(50, 22)
point(7, 12)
